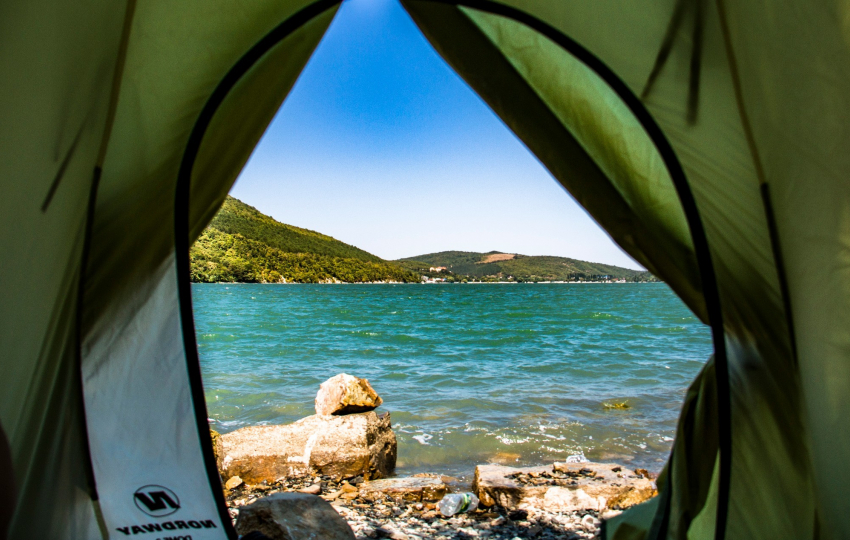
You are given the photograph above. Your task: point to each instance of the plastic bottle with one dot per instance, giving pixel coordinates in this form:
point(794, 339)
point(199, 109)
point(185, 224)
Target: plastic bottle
point(455, 503)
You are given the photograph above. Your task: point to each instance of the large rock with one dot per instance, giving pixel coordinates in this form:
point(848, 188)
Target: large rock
point(218, 451)
point(293, 516)
point(346, 394)
point(415, 489)
point(337, 446)
point(564, 487)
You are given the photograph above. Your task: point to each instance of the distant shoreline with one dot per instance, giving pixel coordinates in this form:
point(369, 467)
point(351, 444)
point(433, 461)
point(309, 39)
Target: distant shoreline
point(433, 283)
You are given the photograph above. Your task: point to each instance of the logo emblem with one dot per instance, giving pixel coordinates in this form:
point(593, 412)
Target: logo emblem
point(156, 501)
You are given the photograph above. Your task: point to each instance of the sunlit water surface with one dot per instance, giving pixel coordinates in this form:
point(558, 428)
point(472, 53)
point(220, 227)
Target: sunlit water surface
point(510, 373)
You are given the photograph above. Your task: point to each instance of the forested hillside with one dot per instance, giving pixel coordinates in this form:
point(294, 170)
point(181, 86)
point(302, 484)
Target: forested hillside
point(496, 265)
point(242, 244)
point(236, 217)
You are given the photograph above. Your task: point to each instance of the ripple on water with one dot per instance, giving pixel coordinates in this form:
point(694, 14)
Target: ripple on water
point(470, 373)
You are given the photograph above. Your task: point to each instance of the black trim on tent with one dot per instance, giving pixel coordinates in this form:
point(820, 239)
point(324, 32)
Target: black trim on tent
point(696, 62)
point(60, 172)
point(666, 47)
point(78, 369)
point(711, 291)
point(696, 54)
point(780, 269)
point(181, 232)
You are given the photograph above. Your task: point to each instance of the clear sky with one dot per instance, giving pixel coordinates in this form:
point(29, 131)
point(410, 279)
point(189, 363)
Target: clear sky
point(381, 145)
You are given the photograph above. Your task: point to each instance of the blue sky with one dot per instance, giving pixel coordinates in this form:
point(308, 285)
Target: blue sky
point(381, 145)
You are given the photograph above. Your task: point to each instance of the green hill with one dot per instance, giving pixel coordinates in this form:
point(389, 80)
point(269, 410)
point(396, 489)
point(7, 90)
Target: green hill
point(241, 244)
point(498, 266)
point(236, 217)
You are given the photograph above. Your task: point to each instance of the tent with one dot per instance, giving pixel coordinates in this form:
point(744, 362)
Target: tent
point(709, 138)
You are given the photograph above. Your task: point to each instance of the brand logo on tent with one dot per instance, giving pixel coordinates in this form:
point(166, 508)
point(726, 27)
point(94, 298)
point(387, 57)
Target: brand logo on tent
point(156, 501)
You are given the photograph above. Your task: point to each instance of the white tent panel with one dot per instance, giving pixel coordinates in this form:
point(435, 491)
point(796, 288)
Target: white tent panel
point(144, 445)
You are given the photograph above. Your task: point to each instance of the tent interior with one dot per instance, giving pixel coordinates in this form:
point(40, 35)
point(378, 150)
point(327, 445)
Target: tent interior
point(709, 139)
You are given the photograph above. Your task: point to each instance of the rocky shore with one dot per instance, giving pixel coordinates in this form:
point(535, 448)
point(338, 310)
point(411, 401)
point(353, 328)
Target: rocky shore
point(329, 476)
point(398, 519)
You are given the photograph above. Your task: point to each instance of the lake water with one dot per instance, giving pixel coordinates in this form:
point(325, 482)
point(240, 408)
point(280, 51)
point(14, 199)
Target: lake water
point(508, 373)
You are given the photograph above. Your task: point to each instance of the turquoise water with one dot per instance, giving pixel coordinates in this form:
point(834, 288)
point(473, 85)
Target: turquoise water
point(508, 373)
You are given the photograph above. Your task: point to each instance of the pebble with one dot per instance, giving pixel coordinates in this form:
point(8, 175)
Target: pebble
point(392, 534)
point(418, 521)
point(518, 515)
point(608, 514)
point(233, 483)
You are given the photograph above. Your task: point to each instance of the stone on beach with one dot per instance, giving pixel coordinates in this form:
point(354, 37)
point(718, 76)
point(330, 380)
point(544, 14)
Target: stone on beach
point(346, 394)
point(335, 446)
point(315, 489)
point(564, 487)
point(233, 483)
point(391, 533)
point(415, 489)
point(293, 516)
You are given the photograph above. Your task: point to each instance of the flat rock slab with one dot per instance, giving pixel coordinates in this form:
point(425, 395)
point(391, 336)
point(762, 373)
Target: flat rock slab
point(415, 489)
point(293, 516)
point(346, 394)
point(562, 487)
point(336, 446)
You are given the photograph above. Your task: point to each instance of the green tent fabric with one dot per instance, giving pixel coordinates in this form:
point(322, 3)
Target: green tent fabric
point(98, 400)
point(708, 138)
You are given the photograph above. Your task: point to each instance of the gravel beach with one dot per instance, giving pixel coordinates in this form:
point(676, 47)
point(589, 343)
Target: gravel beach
point(399, 520)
